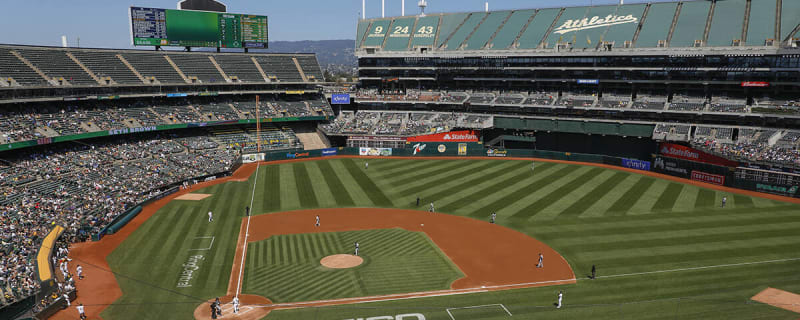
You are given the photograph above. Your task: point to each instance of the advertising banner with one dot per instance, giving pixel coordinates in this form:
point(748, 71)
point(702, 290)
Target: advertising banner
point(692, 154)
point(670, 167)
point(636, 164)
point(588, 81)
point(708, 177)
point(452, 136)
point(297, 155)
point(383, 152)
point(329, 152)
point(496, 152)
point(376, 138)
point(253, 157)
point(755, 84)
point(462, 149)
point(340, 98)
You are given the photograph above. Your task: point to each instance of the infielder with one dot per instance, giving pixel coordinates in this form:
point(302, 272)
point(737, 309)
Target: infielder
point(317, 224)
point(494, 215)
point(560, 296)
point(81, 312)
point(235, 304)
point(356, 247)
point(431, 209)
point(210, 216)
point(541, 261)
point(79, 269)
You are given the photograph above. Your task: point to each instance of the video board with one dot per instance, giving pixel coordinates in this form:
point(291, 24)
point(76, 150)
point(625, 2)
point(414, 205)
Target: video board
point(189, 28)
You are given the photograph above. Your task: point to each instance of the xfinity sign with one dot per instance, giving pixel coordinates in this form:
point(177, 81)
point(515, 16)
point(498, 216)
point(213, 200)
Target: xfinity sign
point(343, 98)
point(572, 25)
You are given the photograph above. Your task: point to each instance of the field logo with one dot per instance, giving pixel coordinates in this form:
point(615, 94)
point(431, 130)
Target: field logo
point(442, 148)
point(572, 25)
point(407, 316)
point(419, 147)
point(188, 271)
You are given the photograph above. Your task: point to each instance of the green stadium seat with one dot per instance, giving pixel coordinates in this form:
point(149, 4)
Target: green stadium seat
point(533, 35)
point(511, 29)
point(486, 30)
point(691, 24)
point(656, 25)
point(726, 24)
point(761, 24)
point(464, 30)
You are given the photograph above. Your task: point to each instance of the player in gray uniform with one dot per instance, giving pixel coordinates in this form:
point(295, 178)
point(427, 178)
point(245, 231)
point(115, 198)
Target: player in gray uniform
point(431, 209)
point(494, 215)
point(541, 261)
point(356, 247)
point(317, 224)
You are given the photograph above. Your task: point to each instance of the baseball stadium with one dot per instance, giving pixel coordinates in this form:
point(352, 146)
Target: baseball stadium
point(607, 161)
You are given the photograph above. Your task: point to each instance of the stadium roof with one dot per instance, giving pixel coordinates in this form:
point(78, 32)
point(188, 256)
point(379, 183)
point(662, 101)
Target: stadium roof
point(731, 24)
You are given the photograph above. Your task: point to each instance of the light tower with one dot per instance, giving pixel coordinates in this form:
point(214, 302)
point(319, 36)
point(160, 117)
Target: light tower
point(422, 5)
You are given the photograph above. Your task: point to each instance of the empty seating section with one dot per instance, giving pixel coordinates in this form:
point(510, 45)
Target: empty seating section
point(691, 23)
point(377, 33)
point(106, 64)
point(481, 98)
point(618, 34)
point(486, 30)
point(614, 102)
point(559, 30)
point(240, 66)
point(726, 24)
point(724, 133)
point(656, 24)
point(703, 131)
point(153, 65)
point(281, 67)
point(761, 24)
point(310, 67)
point(649, 103)
point(197, 65)
point(728, 106)
point(790, 18)
point(511, 29)
point(177, 114)
point(590, 37)
point(292, 109)
point(56, 64)
point(141, 114)
point(425, 32)
point(510, 99)
point(362, 28)
point(535, 32)
point(458, 37)
point(399, 34)
point(570, 100)
point(221, 111)
point(449, 23)
point(11, 66)
point(686, 106)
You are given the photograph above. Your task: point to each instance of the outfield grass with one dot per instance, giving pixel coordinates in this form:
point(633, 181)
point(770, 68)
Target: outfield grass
point(286, 268)
point(622, 222)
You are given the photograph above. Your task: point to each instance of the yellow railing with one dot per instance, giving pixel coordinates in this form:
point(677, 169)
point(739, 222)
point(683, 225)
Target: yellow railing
point(43, 258)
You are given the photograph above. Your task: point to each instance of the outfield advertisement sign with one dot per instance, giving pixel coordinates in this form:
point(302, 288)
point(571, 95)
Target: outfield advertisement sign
point(708, 177)
point(670, 167)
point(340, 98)
point(790, 191)
point(496, 153)
point(692, 154)
point(452, 136)
point(297, 155)
point(383, 152)
point(253, 157)
point(636, 164)
point(329, 152)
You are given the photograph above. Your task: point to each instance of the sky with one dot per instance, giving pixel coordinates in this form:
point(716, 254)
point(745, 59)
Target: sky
point(104, 23)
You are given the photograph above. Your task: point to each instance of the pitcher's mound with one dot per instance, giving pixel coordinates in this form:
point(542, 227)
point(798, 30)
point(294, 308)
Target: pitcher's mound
point(193, 196)
point(341, 261)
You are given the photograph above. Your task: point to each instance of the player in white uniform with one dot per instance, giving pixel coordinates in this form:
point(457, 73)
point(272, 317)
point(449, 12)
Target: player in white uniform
point(81, 312)
point(366, 165)
point(494, 216)
point(210, 216)
point(432, 210)
point(356, 247)
point(317, 224)
point(79, 269)
point(560, 296)
point(235, 304)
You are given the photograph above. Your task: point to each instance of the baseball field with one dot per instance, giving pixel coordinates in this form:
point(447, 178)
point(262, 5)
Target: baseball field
point(663, 248)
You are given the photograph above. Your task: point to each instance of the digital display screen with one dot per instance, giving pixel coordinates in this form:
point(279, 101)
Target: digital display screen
point(187, 28)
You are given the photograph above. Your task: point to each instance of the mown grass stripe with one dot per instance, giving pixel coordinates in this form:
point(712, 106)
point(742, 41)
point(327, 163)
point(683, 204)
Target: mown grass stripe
point(402, 166)
point(489, 190)
point(742, 201)
point(427, 172)
point(511, 197)
point(630, 197)
point(590, 198)
point(454, 174)
point(367, 185)
point(305, 189)
point(481, 177)
point(705, 198)
point(667, 199)
point(335, 185)
point(554, 195)
point(271, 195)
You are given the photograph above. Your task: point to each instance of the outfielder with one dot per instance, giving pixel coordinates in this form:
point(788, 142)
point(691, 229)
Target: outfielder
point(494, 215)
point(541, 261)
point(431, 209)
point(235, 304)
point(366, 165)
point(317, 224)
point(356, 247)
point(210, 216)
point(724, 200)
point(560, 296)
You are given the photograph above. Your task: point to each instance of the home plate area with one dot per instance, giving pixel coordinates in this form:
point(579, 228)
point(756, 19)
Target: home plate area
point(478, 312)
point(227, 311)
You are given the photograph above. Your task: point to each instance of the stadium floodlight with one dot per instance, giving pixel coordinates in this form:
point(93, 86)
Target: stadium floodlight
point(383, 8)
point(363, 9)
point(402, 7)
point(422, 5)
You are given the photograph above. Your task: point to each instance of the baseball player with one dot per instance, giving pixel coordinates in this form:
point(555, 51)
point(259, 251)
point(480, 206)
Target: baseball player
point(235, 304)
point(246, 211)
point(213, 310)
point(79, 269)
point(217, 306)
point(724, 200)
point(356, 247)
point(494, 215)
point(210, 216)
point(560, 296)
point(81, 312)
point(417, 201)
point(431, 209)
point(366, 165)
point(533, 166)
point(317, 224)
point(66, 298)
point(541, 261)
point(594, 272)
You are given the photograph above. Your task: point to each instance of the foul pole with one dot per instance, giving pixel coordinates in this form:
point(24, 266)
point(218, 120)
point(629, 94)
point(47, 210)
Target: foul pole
point(258, 128)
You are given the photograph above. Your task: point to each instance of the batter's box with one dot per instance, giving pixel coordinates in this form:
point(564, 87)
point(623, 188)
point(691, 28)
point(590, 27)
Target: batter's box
point(202, 243)
point(478, 312)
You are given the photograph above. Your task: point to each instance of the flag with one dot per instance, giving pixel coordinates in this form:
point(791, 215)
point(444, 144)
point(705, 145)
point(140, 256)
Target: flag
point(588, 40)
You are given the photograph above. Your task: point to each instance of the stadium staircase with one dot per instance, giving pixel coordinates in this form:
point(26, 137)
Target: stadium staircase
point(260, 70)
point(178, 70)
point(34, 68)
point(221, 72)
point(311, 140)
point(299, 69)
point(136, 72)
point(89, 72)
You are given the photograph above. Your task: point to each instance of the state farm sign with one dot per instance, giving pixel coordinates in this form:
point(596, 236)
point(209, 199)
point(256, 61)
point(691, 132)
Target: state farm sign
point(453, 136)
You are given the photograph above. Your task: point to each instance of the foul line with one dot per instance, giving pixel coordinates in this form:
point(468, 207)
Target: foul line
point(698, 268)
point(247, 232)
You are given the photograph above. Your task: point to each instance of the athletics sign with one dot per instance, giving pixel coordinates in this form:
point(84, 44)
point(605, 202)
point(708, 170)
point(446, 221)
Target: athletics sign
point(572, 25)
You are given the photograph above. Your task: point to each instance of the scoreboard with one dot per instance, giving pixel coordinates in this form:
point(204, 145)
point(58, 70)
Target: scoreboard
point(188, 28)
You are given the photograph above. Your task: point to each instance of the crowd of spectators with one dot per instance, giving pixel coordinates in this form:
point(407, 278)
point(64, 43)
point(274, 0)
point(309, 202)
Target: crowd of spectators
point(402, 123)
point(83, 187)
point(753, 146)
